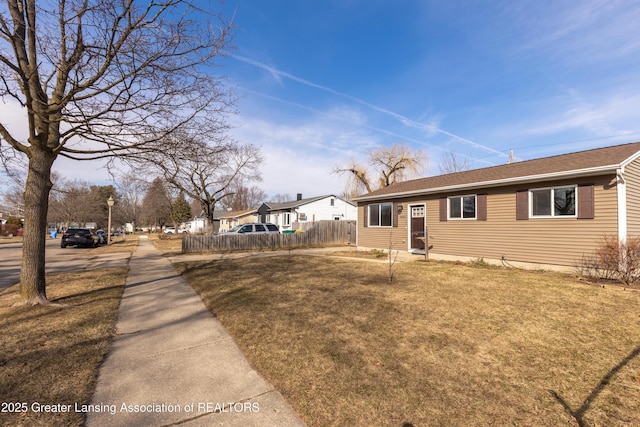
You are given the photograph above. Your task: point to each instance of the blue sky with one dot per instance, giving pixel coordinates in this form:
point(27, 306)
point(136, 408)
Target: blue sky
point(320, 82)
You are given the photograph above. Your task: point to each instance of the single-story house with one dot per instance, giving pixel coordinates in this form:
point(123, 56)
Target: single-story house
point(544, 212)
point(231, 219)
point(328, 207)
point(195, 225)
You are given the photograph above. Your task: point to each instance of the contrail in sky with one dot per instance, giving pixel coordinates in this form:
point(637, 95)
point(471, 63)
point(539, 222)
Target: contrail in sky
point(405, 120)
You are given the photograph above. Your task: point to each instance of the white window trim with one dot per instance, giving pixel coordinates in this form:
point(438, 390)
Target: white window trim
point(575, 202)
point(286, 219)
point(379, 215)
point(475, 210)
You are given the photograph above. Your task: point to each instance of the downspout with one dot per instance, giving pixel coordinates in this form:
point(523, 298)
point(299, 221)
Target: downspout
point(622, 205)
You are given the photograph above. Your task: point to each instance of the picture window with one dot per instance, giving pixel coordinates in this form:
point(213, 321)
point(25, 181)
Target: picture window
point(380, 215)
point(553, 202)
point(462, 207)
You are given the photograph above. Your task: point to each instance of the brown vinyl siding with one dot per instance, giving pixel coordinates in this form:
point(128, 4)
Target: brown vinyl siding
point(378, 237)
point(560, 241)
point(632, 177)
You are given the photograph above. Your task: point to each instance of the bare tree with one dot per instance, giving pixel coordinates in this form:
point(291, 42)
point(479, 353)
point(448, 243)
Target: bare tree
point(13, 194)
point(156, 206)
point(280, 198)
point(386, 166)
point(79, 202)
point(358, 180)
point(131, 188)
point(451, 163)
point(97, 79)
point(244, 197)
point(69, 202)
point(207, 172)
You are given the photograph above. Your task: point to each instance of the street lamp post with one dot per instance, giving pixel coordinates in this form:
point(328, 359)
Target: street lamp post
point(110, 203)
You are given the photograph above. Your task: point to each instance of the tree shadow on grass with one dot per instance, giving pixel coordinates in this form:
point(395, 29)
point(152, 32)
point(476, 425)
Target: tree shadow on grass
point(579, 414)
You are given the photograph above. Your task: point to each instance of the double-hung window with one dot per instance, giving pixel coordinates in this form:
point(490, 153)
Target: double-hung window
point(553, 202)
point(380, 215)
point(462, 207)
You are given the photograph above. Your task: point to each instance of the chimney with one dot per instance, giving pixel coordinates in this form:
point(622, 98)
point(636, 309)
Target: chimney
point(299, 196)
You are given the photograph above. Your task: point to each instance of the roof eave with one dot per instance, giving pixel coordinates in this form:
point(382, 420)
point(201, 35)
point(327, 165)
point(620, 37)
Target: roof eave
point(629, 159)
point(578, 173)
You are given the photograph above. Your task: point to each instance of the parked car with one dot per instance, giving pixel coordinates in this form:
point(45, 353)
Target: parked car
point(169, 230)
point(253, 228)
point(79, 237)
point(10, 230)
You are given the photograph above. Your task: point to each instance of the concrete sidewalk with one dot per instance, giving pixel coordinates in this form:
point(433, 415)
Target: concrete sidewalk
point(173, 363)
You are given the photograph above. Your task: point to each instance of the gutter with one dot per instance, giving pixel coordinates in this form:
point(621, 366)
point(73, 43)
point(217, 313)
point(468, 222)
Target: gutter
point(621, 186)
point(600, 170)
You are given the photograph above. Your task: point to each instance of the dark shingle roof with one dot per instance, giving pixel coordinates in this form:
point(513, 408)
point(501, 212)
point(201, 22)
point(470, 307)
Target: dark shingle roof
point(593, 162)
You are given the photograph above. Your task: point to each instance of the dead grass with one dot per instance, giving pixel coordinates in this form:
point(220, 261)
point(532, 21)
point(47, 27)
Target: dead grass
point(444, 345)
point(376, 254)
point(51, 354)
point(118, 245)
point(170, 245)
point(14, 239)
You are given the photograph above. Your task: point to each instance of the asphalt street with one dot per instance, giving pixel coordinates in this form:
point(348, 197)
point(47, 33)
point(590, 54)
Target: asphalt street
point(57, 260)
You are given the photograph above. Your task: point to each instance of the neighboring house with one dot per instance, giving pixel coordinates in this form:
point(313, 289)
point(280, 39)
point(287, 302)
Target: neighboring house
point(231, 219)
point(196, 225)
point(329, 207)
point(549, 211)
point(199, 225)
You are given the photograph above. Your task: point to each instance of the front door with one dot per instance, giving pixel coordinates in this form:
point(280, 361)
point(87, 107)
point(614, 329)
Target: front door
point(417, 227)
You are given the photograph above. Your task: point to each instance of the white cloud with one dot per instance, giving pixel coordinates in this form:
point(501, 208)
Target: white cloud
point(287, 171)
point(14, 118)
point(300, 155)
point(427, 128)
point(588, 31)
point(614, 115)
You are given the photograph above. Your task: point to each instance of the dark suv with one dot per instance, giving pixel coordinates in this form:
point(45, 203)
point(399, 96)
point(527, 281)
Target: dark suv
point(254, 228)
point(79, 237)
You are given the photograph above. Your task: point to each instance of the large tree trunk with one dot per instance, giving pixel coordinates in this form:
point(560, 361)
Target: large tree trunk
point(36, 196)
point(208, 209)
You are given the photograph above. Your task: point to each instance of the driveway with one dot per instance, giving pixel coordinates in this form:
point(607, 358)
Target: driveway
point(57, 260)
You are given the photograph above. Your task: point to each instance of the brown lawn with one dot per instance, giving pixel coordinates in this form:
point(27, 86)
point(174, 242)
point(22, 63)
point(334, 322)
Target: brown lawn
point(50, 355)
point(443, 345)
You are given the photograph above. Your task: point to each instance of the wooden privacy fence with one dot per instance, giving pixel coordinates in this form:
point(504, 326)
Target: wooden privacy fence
point(323, 233)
